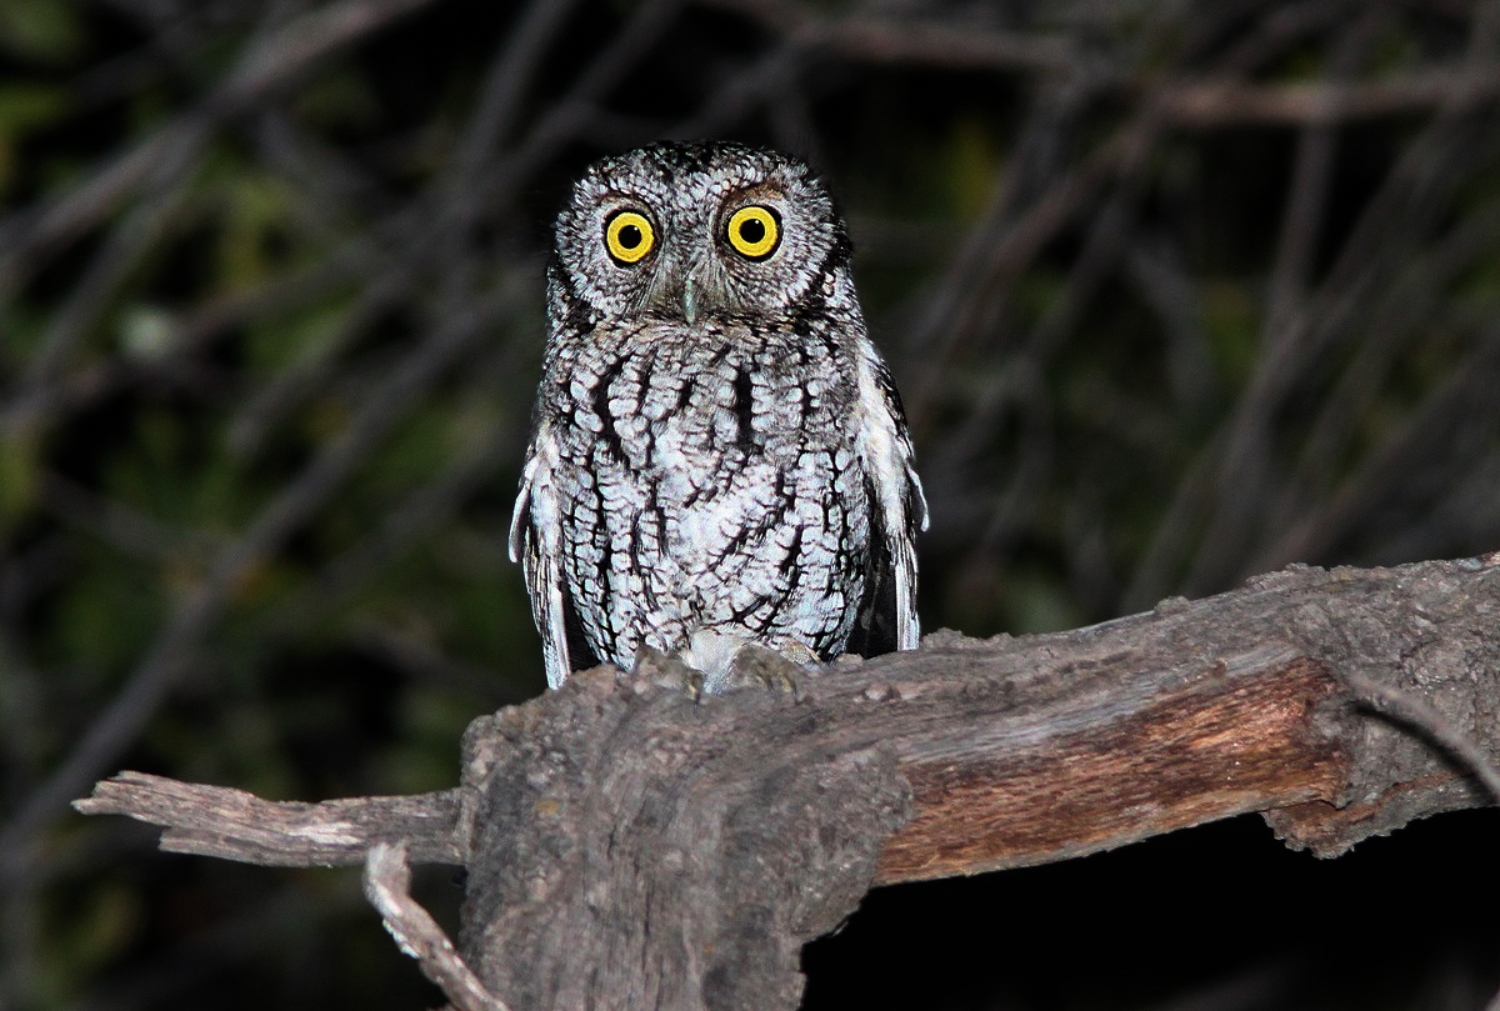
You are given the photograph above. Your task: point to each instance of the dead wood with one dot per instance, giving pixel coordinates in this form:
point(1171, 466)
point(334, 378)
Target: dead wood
point(216, 821)
point(388, 887)
point(628, 846)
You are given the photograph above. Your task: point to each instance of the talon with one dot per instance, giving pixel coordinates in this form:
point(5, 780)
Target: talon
point(667, 670)
point(756, 665)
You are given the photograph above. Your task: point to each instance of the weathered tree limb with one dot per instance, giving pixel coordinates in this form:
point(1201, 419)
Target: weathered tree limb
point(628, 846)
point(216, 821)
point(388, 887)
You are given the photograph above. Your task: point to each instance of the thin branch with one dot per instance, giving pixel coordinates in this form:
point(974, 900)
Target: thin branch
point(128, 243)
point(1197, 104)
point(112, 731)
point(283, 54)
point(1312, 173)
point(405, 525)
point(1004, 236)
point(131, 531)
point(960, 47)
point(1462, 405)
point(1213, 104)
point(196, 331)
point(510, 73)
point(311, 37)
point(874, 39)
point(737, 97)
point(282, 393)
point(1378, 246)
point(1400, 318)
point(1407, 708)
point(387, 886)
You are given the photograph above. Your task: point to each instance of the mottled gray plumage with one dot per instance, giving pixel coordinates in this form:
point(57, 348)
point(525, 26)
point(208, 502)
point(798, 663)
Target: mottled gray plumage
point(718, 455)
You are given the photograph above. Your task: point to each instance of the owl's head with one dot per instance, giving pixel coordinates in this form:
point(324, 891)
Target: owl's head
point(698, 230)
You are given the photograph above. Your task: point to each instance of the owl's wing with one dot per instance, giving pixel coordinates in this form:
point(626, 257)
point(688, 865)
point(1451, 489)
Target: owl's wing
point(536, 542)
point(888, 613)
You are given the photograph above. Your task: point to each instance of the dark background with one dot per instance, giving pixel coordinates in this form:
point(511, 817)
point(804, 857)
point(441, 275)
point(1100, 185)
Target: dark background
point(1176, 293)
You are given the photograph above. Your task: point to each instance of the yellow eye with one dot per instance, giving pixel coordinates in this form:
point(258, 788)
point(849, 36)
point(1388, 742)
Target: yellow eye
point(754, 231)
point(629, 236)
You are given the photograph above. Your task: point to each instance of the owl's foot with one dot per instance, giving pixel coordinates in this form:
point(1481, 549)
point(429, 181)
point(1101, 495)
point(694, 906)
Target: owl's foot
point(749, 665)
point(667, 670)
point(756, 666)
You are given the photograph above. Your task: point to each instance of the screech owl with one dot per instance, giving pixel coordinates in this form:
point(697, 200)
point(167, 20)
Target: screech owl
point(718, 454)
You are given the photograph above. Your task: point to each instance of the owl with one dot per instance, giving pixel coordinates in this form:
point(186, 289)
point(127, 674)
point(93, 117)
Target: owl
point(718, 455)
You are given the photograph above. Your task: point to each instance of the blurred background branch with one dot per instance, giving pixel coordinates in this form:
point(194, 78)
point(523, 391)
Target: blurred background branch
point(1177, 292)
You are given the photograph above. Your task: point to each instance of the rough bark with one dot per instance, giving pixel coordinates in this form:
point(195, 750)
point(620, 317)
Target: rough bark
point(216, 821)
point(629, 846)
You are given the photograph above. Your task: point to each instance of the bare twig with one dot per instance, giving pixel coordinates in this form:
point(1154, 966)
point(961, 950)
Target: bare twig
point(282, 393)
point(926, 41)
point(1400, 318)
point(387, 886)
point(1196, 104)
point(281, 55)
point(117, 726)
point(510, 74)
point(1458, 409)
point(1202, 104)
point(1004, 236)
point(127, 244)
point(1404, 707)
point(305, 40)
point(405, 525)
point(1245, 466)
point(1303, 215)
point(196, 331)
point(1389, 225)
point(948, 45)
point(125, 528)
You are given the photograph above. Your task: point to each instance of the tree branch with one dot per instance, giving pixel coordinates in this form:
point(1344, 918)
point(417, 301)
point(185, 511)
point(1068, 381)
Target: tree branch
point(387, 880)
point(1213, 103)
point(215, 821)
point(683, 851)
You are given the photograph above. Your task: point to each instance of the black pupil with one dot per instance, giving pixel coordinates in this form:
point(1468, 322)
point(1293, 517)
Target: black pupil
point(630, 236)
point(753, 230)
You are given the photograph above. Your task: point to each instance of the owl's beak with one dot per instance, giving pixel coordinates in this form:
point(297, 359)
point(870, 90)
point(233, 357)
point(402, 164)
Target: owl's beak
point(691, 288)
point(690, 300)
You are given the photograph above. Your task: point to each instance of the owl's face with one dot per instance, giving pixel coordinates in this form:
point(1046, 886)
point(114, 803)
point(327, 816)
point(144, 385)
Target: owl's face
point(697, 230)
